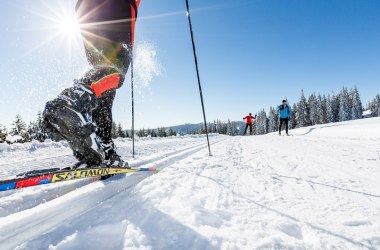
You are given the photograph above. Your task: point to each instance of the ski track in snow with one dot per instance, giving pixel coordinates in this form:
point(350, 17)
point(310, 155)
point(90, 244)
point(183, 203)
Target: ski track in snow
point(317, 189)
point(19, 200)
point(28, 158)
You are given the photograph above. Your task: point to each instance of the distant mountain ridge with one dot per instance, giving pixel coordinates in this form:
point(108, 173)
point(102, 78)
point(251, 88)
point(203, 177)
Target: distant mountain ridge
point(190, 127)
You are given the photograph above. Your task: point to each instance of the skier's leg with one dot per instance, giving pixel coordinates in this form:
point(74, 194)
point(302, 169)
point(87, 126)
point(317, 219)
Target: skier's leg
point(107, 28)
point(108, 48)
point(245, 130)
point(250, 129)
point(102, 116)
point(280, 127)
point(286, 125)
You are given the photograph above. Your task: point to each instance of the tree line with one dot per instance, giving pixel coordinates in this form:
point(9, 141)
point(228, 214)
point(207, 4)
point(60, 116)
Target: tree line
point(315, 109)
point(218, 127)
point(118, 131)
point(21, 132)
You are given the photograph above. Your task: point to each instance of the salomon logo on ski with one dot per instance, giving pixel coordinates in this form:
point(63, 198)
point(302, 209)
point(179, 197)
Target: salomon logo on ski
point(78, 174)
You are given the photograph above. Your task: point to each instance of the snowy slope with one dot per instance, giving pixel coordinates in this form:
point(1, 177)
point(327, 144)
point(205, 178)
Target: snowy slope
point(317, 189)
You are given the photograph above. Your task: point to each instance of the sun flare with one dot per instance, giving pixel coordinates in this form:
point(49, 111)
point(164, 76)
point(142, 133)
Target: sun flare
point(69, 25)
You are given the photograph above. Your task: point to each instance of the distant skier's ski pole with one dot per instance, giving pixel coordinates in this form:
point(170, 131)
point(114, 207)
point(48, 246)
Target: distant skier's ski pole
point(133, 107)
point(196, 67)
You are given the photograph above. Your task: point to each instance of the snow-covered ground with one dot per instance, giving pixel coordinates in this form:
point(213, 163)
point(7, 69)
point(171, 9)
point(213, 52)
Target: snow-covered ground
point(317, 189)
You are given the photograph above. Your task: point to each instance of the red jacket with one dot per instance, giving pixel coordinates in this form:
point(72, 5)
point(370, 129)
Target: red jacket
point(249, 119)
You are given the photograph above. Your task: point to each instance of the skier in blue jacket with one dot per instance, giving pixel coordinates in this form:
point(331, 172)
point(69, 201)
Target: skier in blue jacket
point(285, 113)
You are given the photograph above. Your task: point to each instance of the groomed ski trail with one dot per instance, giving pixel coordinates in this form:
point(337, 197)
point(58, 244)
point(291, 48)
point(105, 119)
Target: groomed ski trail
point(18, 200)
point(317, 189)
point(28, 224)
point(20, 158)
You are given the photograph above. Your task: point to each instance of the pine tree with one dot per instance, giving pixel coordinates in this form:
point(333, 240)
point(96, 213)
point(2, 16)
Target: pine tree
point(319, 108)
point(312, 104)
point(336, 107)
point(32, 131)
point(212, 127)
point(148, 132)
point(344, 111)
point(254, 126)
point(222, 128)
point(218, 127)
point(140, 133)
point(229, 127)
point(161, 132)
point(258, 130)
point(257, 124)
point(114, 130)
point(19, 128)
point(293, 117)
point(154, 133)
point(303, 115)
point(349, 103)
point(357, 109)
point(41, 133)
point(232, 128)
point(324, 110)
point(329, 108)
point(376, 106)
point(272, 120)
point(39, 119)
point(261, 123)
point(3, 133)
point(171, 132)
point(119, 131)
point(235, 129)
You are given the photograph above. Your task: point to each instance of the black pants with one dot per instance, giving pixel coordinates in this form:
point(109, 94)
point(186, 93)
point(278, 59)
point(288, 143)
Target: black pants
point(286, 121)
point(107, 28)
point(250, 129)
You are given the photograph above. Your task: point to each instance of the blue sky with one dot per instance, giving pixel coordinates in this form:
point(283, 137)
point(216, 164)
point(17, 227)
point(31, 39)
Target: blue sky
point(252, 54)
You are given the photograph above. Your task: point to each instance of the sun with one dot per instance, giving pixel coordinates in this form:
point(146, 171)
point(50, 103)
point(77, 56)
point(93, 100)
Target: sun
point(69, 25)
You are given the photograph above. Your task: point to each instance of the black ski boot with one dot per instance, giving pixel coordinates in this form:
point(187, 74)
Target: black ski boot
point(112, 159)
point(70, 115)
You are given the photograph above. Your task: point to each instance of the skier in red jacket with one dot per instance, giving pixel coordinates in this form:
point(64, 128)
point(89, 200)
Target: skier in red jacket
point(82, 114)
point(249, 119)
